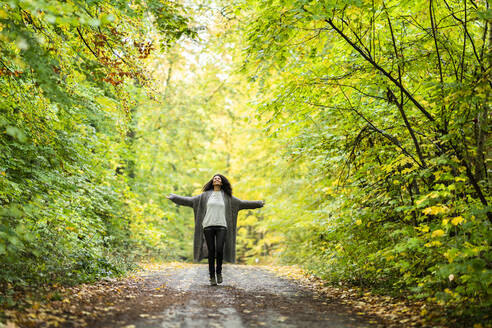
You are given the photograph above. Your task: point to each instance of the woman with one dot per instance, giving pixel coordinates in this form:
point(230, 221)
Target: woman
point(215, 211)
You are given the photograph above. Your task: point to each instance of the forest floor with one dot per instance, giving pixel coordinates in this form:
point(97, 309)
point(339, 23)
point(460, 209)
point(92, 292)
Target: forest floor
point(179, 295)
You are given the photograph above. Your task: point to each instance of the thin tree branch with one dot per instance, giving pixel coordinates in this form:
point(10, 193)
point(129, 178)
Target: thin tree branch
point(469, 36)
point(394, 140)
point(382, 70)
point(399, 105)
point(80, 34)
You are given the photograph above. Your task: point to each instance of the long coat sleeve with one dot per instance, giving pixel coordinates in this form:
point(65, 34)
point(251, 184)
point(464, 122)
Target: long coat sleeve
point(247, 204)
point(183, 200)
point(232, 206)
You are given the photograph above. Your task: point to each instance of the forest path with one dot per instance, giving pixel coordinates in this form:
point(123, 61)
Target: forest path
point(176, 294)
point(250, 296)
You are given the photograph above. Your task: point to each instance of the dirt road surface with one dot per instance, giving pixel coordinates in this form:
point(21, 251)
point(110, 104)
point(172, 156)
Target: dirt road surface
point(249, 296)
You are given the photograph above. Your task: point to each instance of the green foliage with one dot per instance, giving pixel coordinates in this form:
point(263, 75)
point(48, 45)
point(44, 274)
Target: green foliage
point(68, 71)
point(382, 110)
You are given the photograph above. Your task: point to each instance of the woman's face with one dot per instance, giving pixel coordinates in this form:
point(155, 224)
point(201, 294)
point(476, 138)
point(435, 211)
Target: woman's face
point(217, 181)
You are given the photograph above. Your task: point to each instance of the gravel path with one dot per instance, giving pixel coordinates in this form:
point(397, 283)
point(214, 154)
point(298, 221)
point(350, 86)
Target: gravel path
point(249, 297)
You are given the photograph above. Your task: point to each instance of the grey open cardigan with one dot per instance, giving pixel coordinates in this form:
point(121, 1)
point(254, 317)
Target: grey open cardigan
point(232, 206)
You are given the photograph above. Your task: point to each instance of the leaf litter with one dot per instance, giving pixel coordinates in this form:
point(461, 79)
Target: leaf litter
point(144, 294)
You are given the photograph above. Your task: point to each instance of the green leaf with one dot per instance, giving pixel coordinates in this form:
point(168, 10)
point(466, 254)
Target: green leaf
point(16, 133)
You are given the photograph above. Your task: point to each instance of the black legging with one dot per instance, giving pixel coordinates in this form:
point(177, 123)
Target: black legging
point(215, 235)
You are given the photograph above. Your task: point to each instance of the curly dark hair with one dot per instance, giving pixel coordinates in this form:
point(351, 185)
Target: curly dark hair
point(226, 185)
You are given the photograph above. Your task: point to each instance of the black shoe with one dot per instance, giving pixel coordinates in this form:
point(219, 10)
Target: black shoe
point(213, 282)
point(219, 278)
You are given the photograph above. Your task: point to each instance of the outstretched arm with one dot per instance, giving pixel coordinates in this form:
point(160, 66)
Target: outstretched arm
point(248, 204)
point(182, 200)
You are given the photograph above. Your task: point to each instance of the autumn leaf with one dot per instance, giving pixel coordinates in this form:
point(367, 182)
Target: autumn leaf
point(457, 220)
point(438, 233)
point(434, 210)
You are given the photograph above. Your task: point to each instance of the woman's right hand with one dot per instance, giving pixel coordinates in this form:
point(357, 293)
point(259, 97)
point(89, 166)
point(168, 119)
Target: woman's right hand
point(169, 196)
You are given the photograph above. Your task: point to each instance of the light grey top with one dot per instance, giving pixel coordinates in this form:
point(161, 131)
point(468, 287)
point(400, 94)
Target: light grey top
point(215, 214)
